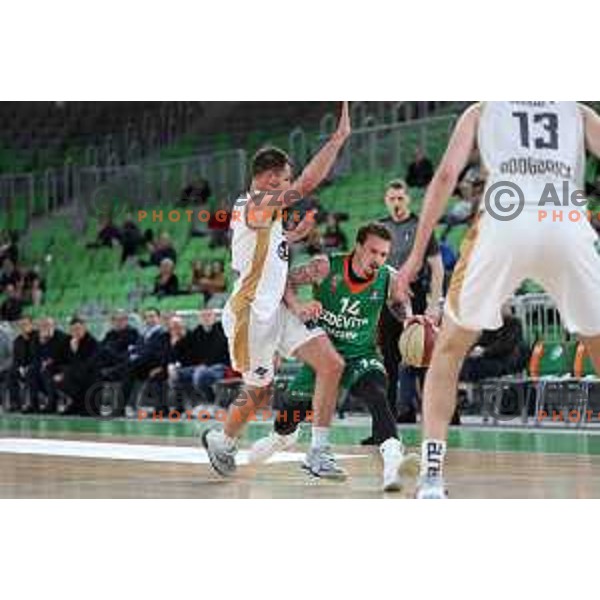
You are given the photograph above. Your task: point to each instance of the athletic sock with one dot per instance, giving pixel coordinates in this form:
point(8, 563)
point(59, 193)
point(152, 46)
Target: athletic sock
point(433, 453)
point(320, 437)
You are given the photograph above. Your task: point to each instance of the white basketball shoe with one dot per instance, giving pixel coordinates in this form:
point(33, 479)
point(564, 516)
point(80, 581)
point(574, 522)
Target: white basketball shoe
point(398, 468)
point(262, 450)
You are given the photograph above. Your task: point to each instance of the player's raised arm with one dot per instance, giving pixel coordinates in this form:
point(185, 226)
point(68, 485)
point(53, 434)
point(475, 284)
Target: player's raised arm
point(440, 189)
point(318, 168)
point(592, 129)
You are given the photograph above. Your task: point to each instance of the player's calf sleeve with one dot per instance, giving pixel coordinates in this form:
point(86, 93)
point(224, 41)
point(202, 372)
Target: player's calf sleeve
point(290, 416)
point(372, 390)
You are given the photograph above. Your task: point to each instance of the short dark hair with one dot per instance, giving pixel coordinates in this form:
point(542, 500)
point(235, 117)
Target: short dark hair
point(269, 158)
point(77, 321)
point(397, 184)
point(153, 309)
point(377, 229)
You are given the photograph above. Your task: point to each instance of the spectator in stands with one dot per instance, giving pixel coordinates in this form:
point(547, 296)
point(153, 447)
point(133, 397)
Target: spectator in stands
point(9, 246)
point(210, 356)
point(473, 173)
point(159, 250)
point(108, 235)
point(426, 290)
point(334, 238)
point(49, 360)
point(314, 243)
point(12, 307)
point(497, 353)
point(179, 351)
point(167, 283)
point(9, 275)
point(78, 374)
point(33, 287)
point(213, 281)
point(131, 238)
point(196, 194)
point(197, 276)
point(219, 228)
point(146, 356)
point(176, 351)
point(118, 341)
point(464, 212)
point(420, 171)
point(25, 347)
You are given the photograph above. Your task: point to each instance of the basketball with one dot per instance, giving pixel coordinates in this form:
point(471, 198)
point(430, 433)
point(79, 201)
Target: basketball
point(417, 342)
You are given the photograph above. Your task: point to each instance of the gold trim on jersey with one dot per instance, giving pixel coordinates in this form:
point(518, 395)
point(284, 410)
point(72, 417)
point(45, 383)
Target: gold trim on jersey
point(460, 271)
point(241, 302)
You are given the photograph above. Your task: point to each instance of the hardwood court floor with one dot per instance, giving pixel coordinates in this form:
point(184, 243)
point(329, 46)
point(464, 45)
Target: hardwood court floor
point(61, 458)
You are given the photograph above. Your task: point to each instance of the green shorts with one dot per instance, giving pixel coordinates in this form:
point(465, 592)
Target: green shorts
point(302, 387)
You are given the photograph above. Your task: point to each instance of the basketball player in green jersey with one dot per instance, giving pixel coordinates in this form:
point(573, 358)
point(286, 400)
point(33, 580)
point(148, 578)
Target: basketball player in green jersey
point(350, 290)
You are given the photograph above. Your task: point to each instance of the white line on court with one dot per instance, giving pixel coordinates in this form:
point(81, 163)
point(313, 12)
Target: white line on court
point(137, 452)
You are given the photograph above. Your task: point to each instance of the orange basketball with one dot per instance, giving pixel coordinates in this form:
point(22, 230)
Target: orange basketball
point(417, 341)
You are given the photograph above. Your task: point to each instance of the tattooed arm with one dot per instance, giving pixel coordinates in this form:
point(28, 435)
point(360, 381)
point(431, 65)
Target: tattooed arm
point(310, 273)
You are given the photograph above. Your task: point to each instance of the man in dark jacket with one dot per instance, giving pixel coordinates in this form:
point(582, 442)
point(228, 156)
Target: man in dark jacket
point(79, 373)
point(145, 357)
point(50, 358)
point(118, 341)
point(497, 353)
point(25, 348)
point(209, 358)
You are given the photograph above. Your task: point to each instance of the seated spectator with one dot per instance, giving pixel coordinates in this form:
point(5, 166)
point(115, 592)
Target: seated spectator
point(334, 238)
point(196, 194)
point(213, 281)
point(314, 243)
point(25, 347)
point(9, 246)
point(167, 283)
point(473, 173)
point(79, 373)
point(420, 171)
point(131, 238)
point(50, 359)
point(118, 341)
point(209, 359)
point(497, 353)
point(465, 211)
point(108, 235)
point(159, 250)
point(197, 276)
point(9, 275)
point(219, 228)
point(178, 353)
point(12, 307)
point(146, 356)
point(33, 287)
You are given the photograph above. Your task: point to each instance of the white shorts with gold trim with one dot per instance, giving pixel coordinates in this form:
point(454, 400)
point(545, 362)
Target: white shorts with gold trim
point(254, 341)
point(497, 256)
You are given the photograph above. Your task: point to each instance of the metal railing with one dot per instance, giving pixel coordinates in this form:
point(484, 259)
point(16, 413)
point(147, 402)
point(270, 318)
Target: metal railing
point(539, 318)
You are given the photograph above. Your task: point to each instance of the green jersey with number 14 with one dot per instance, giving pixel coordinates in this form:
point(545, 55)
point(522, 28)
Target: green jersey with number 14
point(351, 310)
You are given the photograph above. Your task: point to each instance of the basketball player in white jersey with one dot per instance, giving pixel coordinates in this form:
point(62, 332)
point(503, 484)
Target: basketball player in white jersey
point(529, 145)
point(256, 320)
